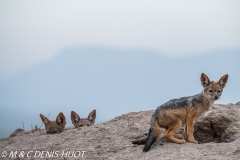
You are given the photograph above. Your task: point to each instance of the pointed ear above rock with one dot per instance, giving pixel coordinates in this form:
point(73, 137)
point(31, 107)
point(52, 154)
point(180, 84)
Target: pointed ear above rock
point(92, 116)
point(61, 120)
point(45, 120)
point(223, 80)
point(75, 116)
point(204, 80)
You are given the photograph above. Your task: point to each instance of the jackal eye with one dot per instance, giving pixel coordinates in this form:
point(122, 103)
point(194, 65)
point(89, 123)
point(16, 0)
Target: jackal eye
point(210, 90)
point(219, 91)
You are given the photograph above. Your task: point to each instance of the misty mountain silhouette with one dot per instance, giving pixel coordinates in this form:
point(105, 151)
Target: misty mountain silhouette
point(111, 81)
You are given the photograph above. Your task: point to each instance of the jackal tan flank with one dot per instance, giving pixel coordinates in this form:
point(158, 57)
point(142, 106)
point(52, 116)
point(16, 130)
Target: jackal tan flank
point(177, 112)
point(79, 122)
point(54, 126)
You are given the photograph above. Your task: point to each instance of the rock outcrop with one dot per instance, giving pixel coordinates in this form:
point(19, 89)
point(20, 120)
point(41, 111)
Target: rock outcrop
point(218, 133)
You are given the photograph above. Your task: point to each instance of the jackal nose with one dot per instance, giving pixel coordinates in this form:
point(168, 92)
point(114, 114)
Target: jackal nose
point(216, 97)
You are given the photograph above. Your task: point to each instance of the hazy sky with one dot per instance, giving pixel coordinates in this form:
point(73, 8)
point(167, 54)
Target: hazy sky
point(135, 31)
point(34, 31)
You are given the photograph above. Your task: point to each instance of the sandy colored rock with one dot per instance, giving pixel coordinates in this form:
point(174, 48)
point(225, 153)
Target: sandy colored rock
point(17, 132)
point(218, 133)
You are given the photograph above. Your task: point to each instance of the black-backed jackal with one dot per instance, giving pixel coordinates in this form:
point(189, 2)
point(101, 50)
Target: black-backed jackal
point(79, 122)
point(177, 112)
point(54, 126)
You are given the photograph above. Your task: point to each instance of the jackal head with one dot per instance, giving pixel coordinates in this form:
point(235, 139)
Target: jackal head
point(54, 126)
point(213, 90)
point(79, 122)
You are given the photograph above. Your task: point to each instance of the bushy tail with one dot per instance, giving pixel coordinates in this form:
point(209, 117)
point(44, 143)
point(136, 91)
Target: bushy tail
point(153, 134)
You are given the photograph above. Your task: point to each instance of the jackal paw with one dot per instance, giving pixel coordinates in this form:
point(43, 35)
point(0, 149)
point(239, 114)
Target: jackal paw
point(183, 141)
point(193, 141)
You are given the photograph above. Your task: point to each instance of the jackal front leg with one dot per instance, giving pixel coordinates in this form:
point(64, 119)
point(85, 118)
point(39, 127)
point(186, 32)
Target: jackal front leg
point(190, 129)
point(185, 132)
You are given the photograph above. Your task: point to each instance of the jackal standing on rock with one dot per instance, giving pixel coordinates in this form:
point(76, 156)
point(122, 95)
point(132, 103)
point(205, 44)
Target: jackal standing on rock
point(177, 112)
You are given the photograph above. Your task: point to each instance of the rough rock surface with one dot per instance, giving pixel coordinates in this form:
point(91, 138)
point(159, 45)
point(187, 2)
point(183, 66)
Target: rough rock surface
point(218, 133)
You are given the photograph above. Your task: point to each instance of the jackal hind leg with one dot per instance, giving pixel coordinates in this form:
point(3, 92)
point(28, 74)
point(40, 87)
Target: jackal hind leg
point(169, 134)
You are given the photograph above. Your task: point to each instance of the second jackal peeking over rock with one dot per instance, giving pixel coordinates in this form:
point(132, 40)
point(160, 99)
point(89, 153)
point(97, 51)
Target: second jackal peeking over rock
point(54, 126)
point(79, 122)
point(177, 112)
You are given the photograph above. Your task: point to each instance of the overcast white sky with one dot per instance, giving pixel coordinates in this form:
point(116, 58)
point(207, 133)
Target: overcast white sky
point(34, 31)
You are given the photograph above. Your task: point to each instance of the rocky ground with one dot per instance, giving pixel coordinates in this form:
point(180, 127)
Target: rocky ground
point(218, 133)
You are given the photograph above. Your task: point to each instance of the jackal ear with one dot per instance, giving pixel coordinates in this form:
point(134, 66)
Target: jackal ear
point(92, 116)
point(61, 120)
point(223, 80)
point(45, 120)
point(74, 116)
point(204, 80)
